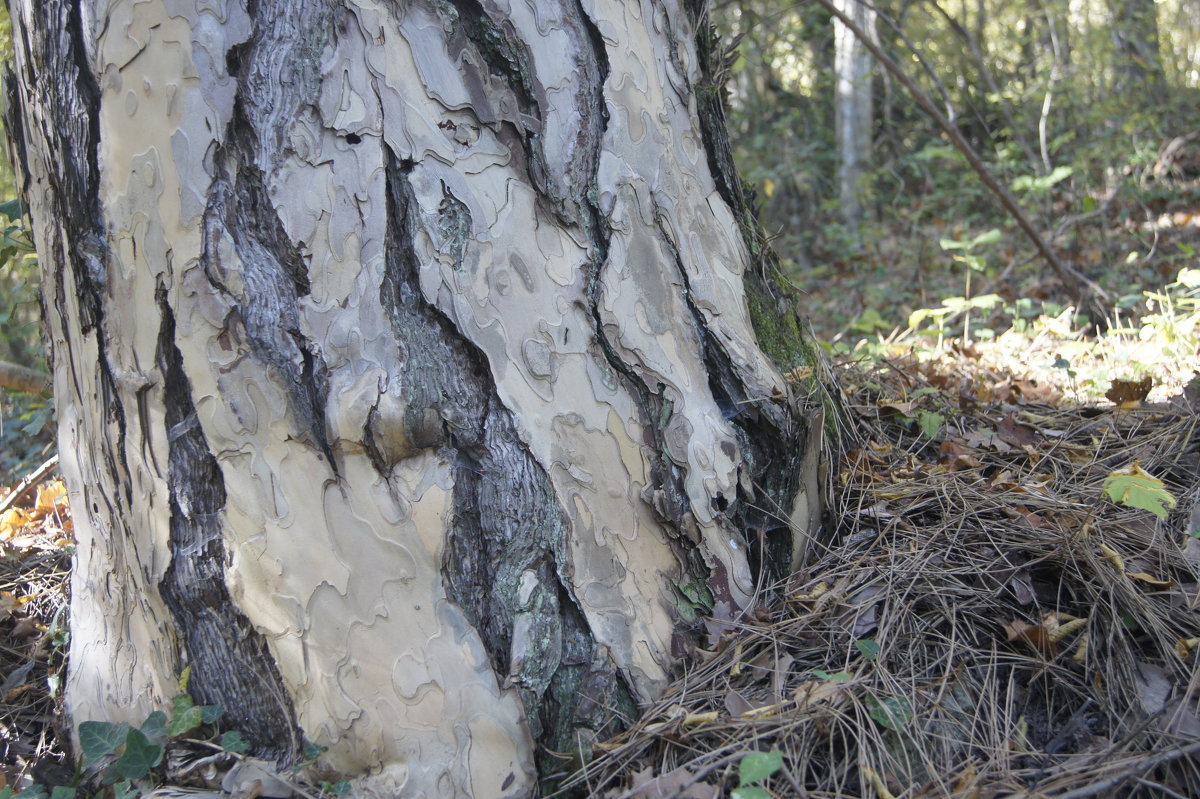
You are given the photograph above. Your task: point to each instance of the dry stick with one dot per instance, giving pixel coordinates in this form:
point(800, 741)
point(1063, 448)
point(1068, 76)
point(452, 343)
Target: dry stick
point(1146, 764)
point(1064, 271)
point(28, 483)
point(22, 378)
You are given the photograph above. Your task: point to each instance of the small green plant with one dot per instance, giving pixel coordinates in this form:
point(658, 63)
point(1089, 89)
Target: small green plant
point(753, 769)
point(894, 713)
point(120, 759)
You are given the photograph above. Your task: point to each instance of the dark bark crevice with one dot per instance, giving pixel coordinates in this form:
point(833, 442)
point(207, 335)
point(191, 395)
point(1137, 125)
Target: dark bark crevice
point(79, 255)
point(505, 560)
point(273, 277)
point(231, 664)
point(770, 440)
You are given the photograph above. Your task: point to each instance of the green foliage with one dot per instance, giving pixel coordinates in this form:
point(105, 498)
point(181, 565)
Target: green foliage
point(868, 648)
point(894, 713)
point(753, 768)
point(122, 760)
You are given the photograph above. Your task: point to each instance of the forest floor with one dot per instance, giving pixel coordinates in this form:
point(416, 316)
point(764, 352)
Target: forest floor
point(981, 618)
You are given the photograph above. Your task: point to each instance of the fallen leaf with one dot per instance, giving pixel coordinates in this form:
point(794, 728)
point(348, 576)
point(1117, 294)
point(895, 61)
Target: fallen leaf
point(1138, 489)
point(1150, 580)
point(1129, 393)
point(50, 496)
point(12, 521)
point(955, 456)
point(1035, 635)
point(1013, 432)
point(1153, 687)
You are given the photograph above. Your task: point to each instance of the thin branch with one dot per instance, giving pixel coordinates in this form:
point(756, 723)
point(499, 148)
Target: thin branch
point(1068, 274)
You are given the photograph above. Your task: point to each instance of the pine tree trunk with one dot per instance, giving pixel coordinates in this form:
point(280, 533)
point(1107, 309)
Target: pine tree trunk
point(406, 381)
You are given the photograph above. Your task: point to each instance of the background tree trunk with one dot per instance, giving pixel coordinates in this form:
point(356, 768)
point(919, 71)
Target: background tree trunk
point(1139, 69)
point(853, 66)
point(405, 372)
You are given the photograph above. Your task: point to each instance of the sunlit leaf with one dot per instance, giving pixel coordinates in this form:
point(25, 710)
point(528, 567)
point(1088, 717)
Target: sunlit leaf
point(1138, 489)
point(930, 422)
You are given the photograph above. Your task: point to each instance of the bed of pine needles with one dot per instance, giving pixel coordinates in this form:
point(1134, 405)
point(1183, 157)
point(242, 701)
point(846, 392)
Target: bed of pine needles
point(978, 619)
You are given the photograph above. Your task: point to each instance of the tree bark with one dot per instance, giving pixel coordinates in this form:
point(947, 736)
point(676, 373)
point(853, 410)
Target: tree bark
point(405, 371)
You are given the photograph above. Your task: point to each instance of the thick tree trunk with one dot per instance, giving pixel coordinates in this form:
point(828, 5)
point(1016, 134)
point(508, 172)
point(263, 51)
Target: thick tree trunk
point(853, 66)
point(406, 378)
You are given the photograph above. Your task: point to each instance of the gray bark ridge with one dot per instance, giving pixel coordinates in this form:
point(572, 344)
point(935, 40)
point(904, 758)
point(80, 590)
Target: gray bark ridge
point(419, 333)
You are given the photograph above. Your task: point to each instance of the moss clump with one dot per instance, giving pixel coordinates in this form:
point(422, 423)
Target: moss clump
point(777, 328)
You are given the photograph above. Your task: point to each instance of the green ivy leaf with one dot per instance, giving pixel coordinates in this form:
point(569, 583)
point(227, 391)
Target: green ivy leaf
point(126, 790)
point(868, 648)
point(930, 422)
point(139, 757)
point(155, 727)
point(233, 741)
point(837, 676)
point(99, 739)
point(185, 720)
point(211, 714)
point(757, 766)
point(62, 792)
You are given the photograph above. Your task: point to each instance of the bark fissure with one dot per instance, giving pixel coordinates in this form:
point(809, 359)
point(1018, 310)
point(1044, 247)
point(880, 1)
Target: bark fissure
point(231, 664)
point(771, 444)
point(505, 562)
point(271, 277)
point(667, 494)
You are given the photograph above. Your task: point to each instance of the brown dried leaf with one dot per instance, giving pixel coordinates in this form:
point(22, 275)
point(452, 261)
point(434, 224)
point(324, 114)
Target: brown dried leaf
point(955, 457)
point(1036, 635)
point(1129, 393)
point(1013, 432)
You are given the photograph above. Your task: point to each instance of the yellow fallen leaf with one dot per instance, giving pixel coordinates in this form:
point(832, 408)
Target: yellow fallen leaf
point(12, 521)
point(1081, 649)
point(872, 776)
point(818, 591)
point(1113, 557)
point(49, 496)
point(1063, 630)
point(696, 719)
point(762, 712)
point(1185, 645)
point(1150, 580)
